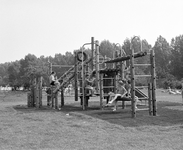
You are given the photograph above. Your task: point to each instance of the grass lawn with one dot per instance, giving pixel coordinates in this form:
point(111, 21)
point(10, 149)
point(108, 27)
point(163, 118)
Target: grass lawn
point(73, 129)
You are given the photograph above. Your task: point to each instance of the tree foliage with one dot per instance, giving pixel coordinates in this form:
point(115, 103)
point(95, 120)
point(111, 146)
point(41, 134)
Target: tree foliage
point(168, 61)
point(176, 57)
point(107, 49)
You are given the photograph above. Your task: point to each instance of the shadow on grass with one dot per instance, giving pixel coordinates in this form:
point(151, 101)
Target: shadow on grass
point(165, 116)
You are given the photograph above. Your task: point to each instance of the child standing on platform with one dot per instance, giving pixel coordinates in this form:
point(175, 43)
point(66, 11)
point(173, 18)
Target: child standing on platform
point(54, 81)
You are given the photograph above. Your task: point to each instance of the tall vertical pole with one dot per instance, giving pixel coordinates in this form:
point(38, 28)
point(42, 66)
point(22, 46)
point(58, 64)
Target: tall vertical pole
point(101, 91)
point(132, 83)
point(52, 97)
point(40, 81)
point(62, 96)
point(105, 58)
point(92, 51)
point(76, 77)
point(121, 67)
point(83, 83)
point(114, 54)
point(37, 94)
point(97, 64)
point(56, 101)
point(153, 79)
point(115, 77)
point(150, 98)
point(34, 92)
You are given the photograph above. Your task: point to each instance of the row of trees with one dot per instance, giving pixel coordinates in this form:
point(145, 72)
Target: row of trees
point(168, 59)
point(21, 73)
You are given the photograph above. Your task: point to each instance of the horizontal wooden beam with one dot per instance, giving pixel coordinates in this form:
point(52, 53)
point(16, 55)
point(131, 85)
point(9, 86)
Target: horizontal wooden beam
point(143, 75)
point(119, 59)
point(142, 64)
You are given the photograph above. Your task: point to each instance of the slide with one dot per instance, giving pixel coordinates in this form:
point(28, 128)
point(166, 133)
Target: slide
point(140, 94)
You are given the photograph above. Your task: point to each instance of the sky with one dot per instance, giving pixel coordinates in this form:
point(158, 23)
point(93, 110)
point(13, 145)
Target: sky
point(49, 27)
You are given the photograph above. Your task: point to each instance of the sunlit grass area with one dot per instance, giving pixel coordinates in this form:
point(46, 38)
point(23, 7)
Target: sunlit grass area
point(72, 128)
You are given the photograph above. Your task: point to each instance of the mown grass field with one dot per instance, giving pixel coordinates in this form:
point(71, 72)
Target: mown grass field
point(23, 128)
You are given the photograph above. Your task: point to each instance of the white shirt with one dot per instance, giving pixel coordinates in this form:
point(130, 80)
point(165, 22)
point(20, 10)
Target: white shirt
point(52, 78)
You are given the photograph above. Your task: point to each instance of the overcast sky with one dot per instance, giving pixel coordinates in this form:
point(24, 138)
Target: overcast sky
point(49, 27)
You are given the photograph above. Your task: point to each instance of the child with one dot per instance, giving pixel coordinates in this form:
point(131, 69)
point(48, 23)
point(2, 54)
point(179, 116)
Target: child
point(54, 81)
point(128, 88)
point(121, 91)
point(89, 84)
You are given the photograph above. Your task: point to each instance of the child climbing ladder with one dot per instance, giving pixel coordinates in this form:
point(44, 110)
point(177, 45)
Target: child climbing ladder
point(54, 81)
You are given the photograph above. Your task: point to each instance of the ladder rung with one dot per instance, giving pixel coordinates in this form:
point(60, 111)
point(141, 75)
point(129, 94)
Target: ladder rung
point(142, 64)
point(146, 53)
point(141, 87)
point(142, 109)
point(108, 87)
point(142, 75)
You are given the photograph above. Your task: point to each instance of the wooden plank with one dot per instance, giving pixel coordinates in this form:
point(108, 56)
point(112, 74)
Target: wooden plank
point(140, 54)
point(141, 65)
point(137, 76)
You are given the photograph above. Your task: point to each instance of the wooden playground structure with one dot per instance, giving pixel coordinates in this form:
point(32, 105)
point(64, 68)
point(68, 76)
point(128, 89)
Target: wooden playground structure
point(106, 78)
point(34, 97)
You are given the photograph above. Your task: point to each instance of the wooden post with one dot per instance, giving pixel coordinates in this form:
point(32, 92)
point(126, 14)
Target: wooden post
point(114, 53)
point(62, 97)
point(153, 79)
point(29, 99)
point(122, 66)
point(97, 65)
point(83, 89)
point(75, 78)
point(48, 99)
point(150, 98)
point(52, 97)
point(92, 51)
point(132, 83)
point(123, 104)
point(34, 92)
point(115, 56)
point(32, 96)
point(101, 91)
point(105, 58)
point(37, 96)
point(40, 79)
point(56, 101)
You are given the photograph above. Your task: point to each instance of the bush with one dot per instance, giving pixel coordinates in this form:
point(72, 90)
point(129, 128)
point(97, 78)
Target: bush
point(165, 83)
point(141, 81)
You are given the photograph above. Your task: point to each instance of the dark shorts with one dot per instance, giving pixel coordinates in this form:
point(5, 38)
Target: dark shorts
point(119, 98)
point(52, 83)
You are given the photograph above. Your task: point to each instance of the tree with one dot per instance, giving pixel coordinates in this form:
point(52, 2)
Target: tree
point(13, 71)
point(162, 51)
point(107, 49)
point(176, 59)
point(4, 74)
point(28, 69)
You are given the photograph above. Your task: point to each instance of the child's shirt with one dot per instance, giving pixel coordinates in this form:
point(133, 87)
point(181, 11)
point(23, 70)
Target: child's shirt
point(52, 78)
point(121, 90)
